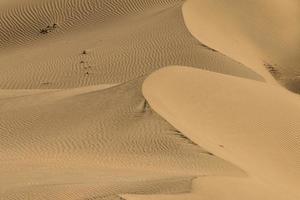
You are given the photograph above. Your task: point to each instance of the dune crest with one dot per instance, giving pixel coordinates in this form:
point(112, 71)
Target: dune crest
point(256, 129)
point(98, 141)
point(263, 35)
point(99, 42)
point(80, 119)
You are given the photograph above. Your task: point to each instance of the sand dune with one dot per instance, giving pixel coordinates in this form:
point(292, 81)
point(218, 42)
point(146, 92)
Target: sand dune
point(95, 141)
point(256, 129)
point(122, 41)
point(75, 122)
point(263, 35)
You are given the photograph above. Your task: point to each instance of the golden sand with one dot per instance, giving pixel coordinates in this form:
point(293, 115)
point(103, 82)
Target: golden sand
point(89, 110)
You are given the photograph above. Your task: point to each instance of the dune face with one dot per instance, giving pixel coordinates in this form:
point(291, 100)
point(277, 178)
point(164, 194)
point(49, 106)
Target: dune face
point(263, 35)
point(100, 142)
point(256, 129)
point(84, 113)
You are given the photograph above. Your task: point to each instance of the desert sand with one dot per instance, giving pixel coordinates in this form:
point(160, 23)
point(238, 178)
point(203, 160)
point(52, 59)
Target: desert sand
point(149, 99)
point(260, 34)
point(257, 130)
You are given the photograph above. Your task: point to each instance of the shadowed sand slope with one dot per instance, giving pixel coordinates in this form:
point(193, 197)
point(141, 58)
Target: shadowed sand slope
point(86, 143)
point(99, 42)
point(263, 35)
point(254, 125)
point(223, 188)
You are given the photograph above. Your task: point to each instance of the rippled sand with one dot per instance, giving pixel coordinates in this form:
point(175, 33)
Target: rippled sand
point(84, 113)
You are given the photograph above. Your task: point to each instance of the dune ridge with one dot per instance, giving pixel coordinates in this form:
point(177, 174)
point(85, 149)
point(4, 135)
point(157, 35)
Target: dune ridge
point(89, 137)
point(83, 117)
point(263, 35)
point(258, 130)
point(137, 40)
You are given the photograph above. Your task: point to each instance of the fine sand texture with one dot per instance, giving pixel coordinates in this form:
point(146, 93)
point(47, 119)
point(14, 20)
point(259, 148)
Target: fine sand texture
point(88, 143)
point(96, 104)
point(256, 129)
point(263, 35)
point(225, 188)
point(71, 43)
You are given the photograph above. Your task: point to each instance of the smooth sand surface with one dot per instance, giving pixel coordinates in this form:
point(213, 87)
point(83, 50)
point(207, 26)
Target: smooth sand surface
point(82, 116)
point(263, 35)
point(256, 129)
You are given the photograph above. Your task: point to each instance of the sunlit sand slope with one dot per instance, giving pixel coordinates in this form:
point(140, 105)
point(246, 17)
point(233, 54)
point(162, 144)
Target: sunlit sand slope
point(249, 123)
point(98, 42)
point(263, 35)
